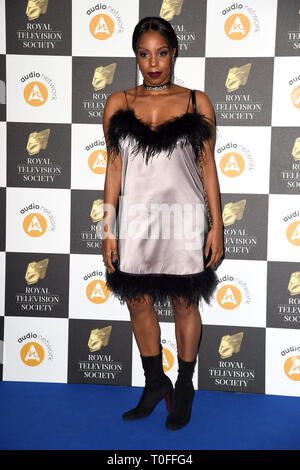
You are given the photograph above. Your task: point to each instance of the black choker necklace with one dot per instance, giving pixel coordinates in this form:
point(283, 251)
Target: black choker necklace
point(158, 87)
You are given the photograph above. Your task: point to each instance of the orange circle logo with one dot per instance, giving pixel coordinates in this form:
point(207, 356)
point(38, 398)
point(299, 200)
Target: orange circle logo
point(168, 359)
point(35, 224)
point(293, 233)
point(101, 26)
point(292, 368)
point(229, 297)
point(97, 291)
point(237, 26)
point(295, 97)
point(98, 161)
point(232, 164)
point(35, 93)
point(32, 354)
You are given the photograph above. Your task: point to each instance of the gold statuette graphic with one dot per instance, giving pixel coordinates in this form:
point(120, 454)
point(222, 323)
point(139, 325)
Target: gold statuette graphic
point(230, 344)
point(35, 8)
point(99, 338)
point(233, 211)
point(103, 76)
point(97, 210)
point(294, 283)
point(37, 141)
point(296, 149)
point(237, 76)
point(170, 8)
point(36, 270)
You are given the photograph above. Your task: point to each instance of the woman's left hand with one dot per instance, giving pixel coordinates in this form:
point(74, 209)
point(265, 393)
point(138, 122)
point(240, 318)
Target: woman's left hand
point(214, 241)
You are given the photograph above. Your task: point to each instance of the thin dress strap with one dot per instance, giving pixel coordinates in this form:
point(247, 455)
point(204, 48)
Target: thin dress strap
point(187, 109)
point(194, 101)
point(126, 99)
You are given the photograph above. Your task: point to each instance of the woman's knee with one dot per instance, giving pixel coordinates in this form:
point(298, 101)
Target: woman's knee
point(142, 305)
point(181, 308)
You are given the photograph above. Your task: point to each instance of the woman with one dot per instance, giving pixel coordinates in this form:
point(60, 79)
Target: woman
point(155, 133)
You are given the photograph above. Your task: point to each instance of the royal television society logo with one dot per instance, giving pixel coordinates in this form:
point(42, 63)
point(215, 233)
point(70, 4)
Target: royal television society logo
point(230, 370)
point(38, 32)
point(100, 363)
point(35, 349)
point(171, 10)
point(38, 167)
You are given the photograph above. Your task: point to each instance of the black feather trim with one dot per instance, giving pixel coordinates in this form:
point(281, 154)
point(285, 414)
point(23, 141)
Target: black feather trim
point(191, 287)
point(193, 128)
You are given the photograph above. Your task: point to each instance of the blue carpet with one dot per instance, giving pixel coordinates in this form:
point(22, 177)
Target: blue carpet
point(88, 417)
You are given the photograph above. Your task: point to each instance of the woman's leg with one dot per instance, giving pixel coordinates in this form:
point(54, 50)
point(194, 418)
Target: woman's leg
point(145, 326)
point(187, 328)
point(147, 334)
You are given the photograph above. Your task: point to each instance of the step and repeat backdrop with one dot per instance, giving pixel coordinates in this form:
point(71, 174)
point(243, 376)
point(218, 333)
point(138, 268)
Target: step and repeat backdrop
point(59, 62)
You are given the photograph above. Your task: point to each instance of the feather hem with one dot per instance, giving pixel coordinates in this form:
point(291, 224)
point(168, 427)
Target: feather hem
point(190, 287)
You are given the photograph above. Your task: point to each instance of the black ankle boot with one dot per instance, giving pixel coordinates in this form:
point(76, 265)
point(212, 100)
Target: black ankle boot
point(157, 386)
point(183, 396)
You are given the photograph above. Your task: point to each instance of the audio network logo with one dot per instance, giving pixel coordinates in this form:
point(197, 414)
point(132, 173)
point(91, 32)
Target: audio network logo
point(38, 88)
point(233, 160)
point(104, 25)
point(35, 224)
point(295, 93)
point(169, 351)
point(97, 157)
point(291, 364)
point(238, 25)
point(96, 290)
point(232, 293)
point(36, 348)
point(292, 230)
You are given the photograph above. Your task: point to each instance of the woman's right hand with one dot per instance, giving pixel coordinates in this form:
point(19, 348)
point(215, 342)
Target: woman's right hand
point(109, 245)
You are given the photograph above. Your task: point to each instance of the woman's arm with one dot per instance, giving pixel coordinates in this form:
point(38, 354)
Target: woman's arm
point(211, 183)
point(112, 185)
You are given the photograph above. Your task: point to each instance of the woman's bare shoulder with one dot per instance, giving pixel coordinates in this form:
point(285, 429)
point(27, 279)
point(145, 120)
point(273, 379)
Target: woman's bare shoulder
point(114, 102)
point(204, 105)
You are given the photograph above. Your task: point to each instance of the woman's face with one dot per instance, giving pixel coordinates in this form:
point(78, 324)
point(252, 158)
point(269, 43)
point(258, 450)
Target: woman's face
point(153, 56)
